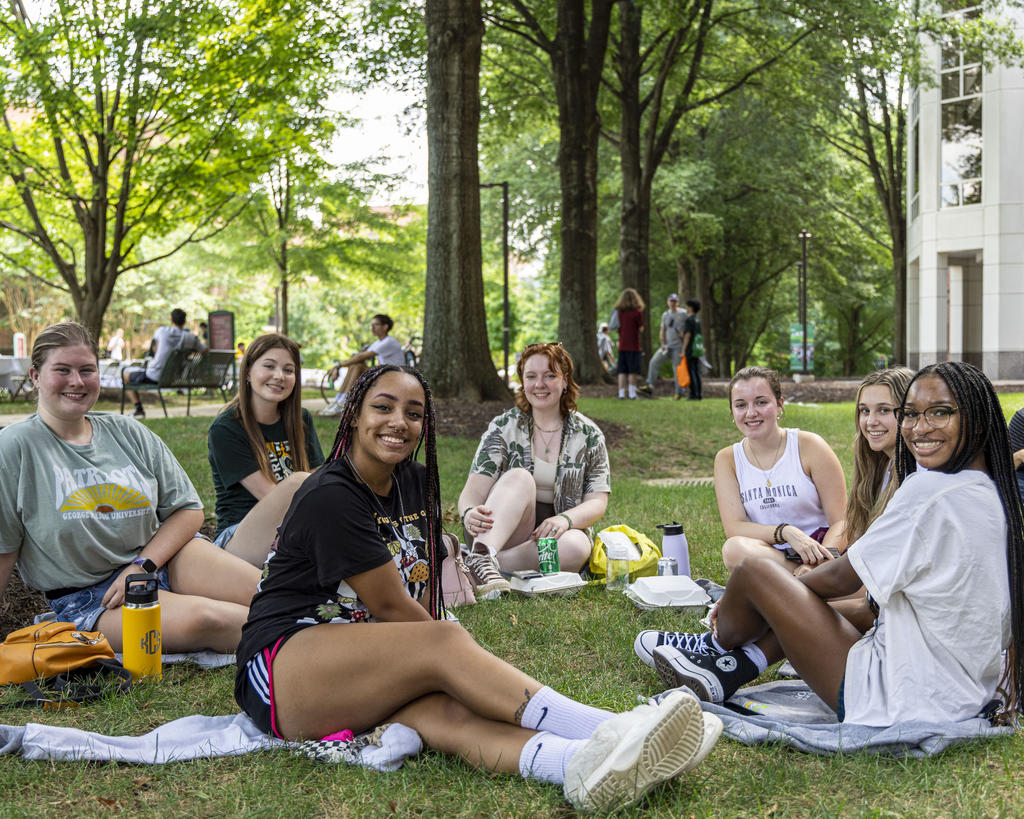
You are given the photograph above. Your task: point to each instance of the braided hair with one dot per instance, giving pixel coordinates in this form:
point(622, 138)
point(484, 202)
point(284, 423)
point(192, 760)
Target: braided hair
point(983, 430)
point(436, 549)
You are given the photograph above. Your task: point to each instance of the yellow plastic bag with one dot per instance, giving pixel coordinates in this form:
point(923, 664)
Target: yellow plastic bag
point(647, 565)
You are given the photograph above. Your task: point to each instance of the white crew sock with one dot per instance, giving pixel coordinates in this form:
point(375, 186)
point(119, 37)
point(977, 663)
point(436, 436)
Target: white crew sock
point(545, 757)
point(550, 711)
point(632, 390)
point(756, 657)
point(622, 393)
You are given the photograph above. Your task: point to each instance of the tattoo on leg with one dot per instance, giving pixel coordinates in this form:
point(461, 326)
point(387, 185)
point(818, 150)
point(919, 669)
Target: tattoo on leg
point(517, 718)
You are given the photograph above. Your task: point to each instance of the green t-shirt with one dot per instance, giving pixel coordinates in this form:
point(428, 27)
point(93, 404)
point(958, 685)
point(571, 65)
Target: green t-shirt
point(79, 512)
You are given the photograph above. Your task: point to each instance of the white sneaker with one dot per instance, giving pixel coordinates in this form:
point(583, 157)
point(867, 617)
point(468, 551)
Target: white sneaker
point(333, 410)
point(632, 752)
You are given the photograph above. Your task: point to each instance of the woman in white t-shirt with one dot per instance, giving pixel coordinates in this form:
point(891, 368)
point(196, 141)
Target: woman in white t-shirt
point(952, 535)
point(778, 489)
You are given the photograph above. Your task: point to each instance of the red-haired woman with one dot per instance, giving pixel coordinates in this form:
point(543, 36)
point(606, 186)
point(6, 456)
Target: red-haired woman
point(541, 471)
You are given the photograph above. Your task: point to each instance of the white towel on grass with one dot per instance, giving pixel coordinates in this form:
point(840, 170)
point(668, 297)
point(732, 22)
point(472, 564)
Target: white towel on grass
point(194, 737)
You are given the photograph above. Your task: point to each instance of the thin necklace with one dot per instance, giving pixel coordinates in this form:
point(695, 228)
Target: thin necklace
point(376, 499)
point(775, 462)
point(547, 441)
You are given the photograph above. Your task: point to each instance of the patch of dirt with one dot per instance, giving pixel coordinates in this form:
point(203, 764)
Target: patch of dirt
point(19, 605)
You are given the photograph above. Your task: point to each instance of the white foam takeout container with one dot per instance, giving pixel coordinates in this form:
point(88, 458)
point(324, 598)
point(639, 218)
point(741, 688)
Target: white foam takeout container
point(556, 583)
point(668, 591)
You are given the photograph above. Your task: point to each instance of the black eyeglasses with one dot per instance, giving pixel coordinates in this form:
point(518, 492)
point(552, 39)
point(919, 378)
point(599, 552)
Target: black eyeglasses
point(935, 417)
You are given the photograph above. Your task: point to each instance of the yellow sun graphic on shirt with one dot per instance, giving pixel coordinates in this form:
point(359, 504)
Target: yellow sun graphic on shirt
point(104, 498)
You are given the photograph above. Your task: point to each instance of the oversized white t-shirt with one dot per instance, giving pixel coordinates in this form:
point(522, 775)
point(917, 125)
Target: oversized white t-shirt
point(389, 351)
point(935, 562)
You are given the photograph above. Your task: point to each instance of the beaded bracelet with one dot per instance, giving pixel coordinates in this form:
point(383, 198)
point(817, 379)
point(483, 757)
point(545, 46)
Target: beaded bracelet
point(563, 515)
point(777, 537)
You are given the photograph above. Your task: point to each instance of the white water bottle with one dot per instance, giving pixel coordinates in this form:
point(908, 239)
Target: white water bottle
point(673, 544)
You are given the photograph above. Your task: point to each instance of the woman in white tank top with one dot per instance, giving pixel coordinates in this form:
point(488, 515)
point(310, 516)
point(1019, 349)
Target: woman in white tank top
point(777, 488)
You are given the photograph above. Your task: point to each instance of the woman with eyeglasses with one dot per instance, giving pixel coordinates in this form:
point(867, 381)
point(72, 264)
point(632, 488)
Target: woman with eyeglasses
point(541, 471)
point(952, 535)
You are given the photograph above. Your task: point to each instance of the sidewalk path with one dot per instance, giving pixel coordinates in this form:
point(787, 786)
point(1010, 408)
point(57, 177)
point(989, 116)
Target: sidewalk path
point(154, 412)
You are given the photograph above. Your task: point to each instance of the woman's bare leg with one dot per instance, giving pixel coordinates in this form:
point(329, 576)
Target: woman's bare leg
point(331, 677)
point(256, 533)
point(446, 725)
point(573, 551)
point(200, 568)
point(187, 623)
point(512, 501)
point(763, 596)
point(737, 549)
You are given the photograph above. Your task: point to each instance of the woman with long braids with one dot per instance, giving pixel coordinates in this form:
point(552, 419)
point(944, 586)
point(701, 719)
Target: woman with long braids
point(347, 630)
point(952, 535)
point(261, 448)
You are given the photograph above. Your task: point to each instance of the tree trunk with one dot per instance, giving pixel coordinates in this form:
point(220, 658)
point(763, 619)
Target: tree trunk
point(456, 354)
point(635, 211)
point(577, 59)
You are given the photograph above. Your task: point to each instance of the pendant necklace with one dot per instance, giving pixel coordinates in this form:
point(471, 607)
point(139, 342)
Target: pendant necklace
point(775, 462)
point(544, 439)
point(376, 500)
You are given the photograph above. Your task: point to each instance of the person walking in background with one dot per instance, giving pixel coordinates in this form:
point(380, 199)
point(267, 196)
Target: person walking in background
point(693, 347)
point(606, 348)
point(671, 336)
point(628, 319)
point(165, 341)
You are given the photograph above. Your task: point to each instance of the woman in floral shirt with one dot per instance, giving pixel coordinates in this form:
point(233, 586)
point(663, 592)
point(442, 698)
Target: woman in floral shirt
point(541, 471)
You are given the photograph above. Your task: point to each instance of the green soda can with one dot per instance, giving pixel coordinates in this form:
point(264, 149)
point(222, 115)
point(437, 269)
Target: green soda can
point(547, 555)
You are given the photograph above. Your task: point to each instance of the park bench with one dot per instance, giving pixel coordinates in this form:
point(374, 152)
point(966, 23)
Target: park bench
point(190, 370)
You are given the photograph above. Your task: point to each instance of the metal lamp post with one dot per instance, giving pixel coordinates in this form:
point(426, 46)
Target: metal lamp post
point(802, 284)
point(506, 321)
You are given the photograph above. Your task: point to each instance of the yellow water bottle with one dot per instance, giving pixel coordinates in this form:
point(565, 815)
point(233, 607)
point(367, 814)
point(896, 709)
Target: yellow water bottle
point(140, 626)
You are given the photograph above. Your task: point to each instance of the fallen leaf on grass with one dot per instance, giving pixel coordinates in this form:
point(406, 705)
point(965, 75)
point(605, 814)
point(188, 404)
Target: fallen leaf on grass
point(106, 802)
point(772, 809)
point(513, 619)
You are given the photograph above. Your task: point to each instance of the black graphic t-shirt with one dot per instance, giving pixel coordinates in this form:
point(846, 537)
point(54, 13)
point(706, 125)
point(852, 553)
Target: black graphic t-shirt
point(232, 459)
point(333, 531)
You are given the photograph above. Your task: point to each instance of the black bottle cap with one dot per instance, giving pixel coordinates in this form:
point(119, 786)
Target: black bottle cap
point(140, 589)
point(672, 528)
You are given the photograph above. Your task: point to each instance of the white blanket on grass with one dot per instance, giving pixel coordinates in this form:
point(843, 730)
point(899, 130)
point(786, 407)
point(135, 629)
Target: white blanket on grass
point(788, 711)
point(194, 737)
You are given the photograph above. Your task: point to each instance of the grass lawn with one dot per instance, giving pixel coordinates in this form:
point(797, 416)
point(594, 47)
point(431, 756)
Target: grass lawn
point(580, 645)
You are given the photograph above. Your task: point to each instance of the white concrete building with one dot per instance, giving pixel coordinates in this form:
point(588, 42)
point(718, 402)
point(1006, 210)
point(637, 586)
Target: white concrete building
point(965, 214)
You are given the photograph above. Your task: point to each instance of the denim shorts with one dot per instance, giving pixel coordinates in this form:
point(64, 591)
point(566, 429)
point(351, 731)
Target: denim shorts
point(83, 607)
point(221, 541)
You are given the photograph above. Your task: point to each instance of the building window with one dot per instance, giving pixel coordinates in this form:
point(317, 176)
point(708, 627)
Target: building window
point(961, 84)
point(915, 154)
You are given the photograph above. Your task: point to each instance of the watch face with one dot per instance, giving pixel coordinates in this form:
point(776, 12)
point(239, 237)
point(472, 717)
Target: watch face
point(146, 564)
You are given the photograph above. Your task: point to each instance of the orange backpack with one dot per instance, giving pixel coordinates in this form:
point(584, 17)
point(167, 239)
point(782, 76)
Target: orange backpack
point(49, 649)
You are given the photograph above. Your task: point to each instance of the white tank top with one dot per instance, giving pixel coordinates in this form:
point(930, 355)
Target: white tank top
point(782, 494)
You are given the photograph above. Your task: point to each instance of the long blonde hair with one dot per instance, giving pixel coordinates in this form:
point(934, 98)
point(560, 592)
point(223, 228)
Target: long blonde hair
point(290, 407)
point(867, 500)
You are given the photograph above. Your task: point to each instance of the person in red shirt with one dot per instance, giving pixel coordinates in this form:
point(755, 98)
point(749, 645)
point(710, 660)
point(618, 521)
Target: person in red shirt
point(628, 319)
